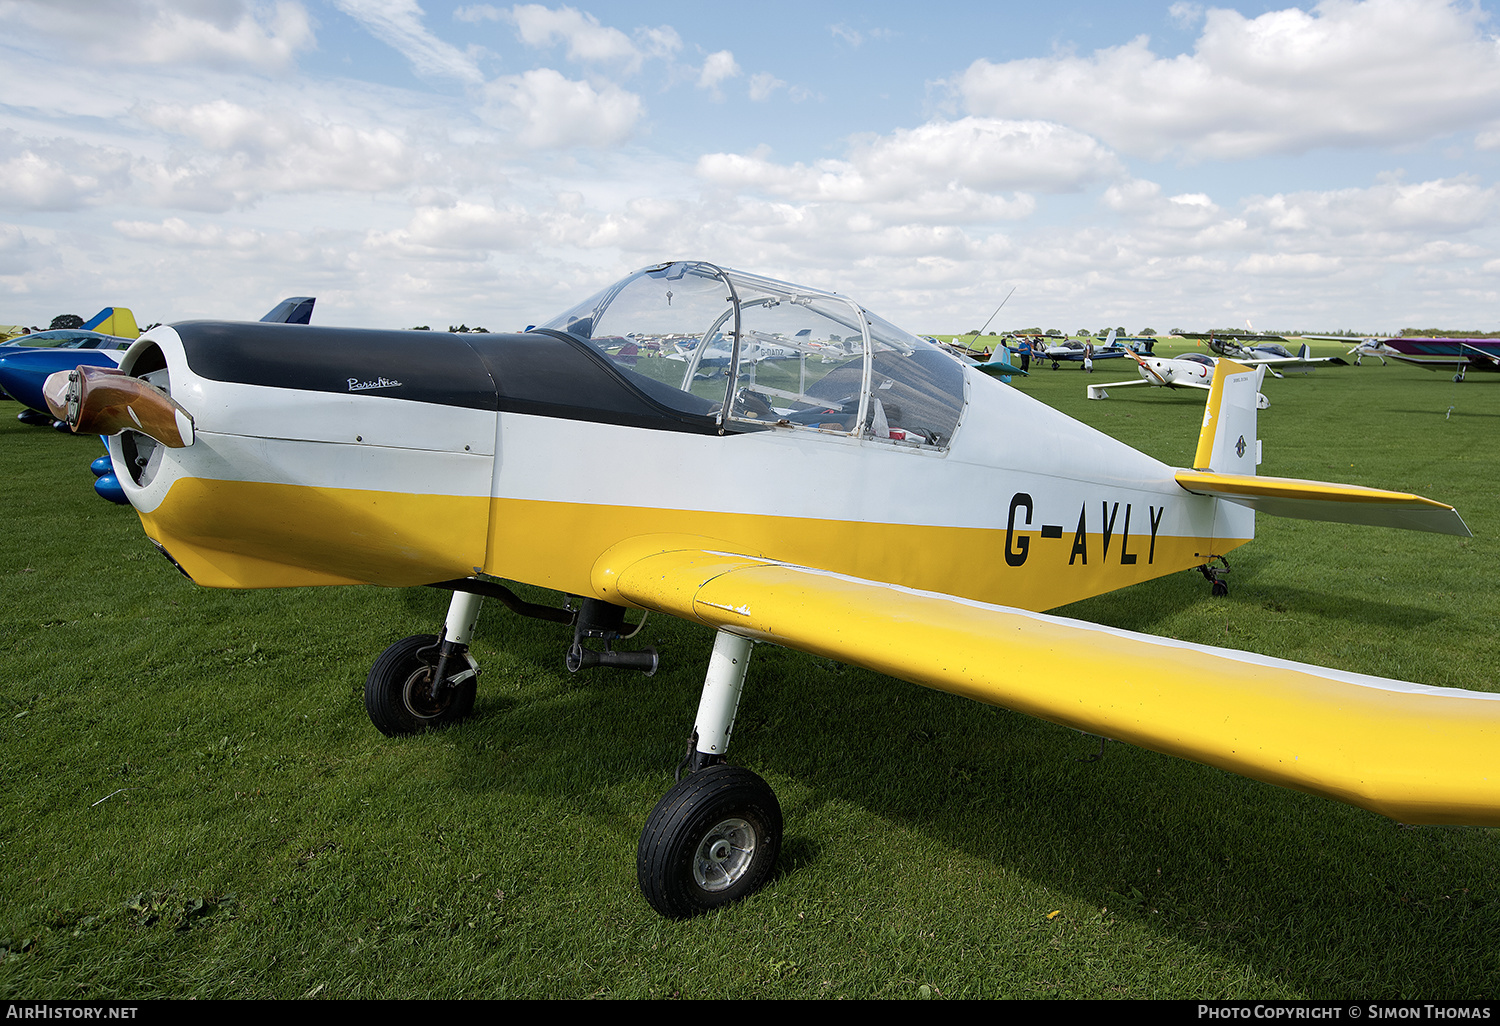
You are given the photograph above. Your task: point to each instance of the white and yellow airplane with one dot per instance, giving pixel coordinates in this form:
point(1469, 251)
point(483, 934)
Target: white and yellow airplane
point(843, 508)
point(1192, 370)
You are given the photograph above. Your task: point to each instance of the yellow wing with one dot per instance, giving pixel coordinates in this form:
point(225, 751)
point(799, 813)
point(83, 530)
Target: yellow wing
point(1414, 753)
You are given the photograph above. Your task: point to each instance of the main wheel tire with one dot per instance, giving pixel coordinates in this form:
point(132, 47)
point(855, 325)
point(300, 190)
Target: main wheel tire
point(711, 840)
point(396, 690)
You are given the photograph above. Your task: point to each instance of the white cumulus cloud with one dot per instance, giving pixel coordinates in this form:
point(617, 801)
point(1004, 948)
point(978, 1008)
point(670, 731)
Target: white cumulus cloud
point(1380, 72)
point(763, 84)
point(208, 32)
point(717, 68)
point(549, 111)
point(244, 153)
point(986, 154)
point(586, 38)
point(59, 174)
point(1441, 206)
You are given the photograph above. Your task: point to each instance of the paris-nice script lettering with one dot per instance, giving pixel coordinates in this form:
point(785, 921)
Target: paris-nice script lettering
point(356, 385)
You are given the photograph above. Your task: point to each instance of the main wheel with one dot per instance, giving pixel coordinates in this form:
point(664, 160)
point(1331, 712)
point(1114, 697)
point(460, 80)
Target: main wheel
point(396, 691)
point(711, 840)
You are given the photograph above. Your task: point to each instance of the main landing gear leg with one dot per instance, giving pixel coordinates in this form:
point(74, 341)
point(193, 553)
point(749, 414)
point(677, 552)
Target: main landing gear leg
point(713, 838)
point(426, 681)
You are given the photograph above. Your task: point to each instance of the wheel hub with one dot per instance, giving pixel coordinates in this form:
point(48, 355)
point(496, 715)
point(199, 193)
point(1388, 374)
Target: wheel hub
point(724, 854)
point(415, 696)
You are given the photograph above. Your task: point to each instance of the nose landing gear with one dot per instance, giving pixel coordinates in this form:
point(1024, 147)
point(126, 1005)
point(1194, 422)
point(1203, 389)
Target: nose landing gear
point(426, 681)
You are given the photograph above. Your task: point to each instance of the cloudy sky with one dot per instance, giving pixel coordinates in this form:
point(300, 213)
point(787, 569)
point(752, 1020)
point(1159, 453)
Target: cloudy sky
point(1322, 166)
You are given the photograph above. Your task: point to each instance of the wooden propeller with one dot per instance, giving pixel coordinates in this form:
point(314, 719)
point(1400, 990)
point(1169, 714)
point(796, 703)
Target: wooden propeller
point(107, 401)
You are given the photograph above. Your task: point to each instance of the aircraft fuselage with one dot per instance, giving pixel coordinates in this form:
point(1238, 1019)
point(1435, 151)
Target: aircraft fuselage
point(327, 456)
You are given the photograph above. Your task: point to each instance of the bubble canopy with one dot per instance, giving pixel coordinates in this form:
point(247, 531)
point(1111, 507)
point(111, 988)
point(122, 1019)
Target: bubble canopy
point(756, 353)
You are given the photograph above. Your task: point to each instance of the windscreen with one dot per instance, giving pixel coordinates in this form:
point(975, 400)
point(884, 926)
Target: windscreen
point(755, 352)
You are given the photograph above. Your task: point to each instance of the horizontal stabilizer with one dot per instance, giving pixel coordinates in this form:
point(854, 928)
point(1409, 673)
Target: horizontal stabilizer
point(1322, 500)
point(1415, 753)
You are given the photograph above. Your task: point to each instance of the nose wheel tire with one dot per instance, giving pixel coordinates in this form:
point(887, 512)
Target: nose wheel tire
point(397, 691)
point(711, 840)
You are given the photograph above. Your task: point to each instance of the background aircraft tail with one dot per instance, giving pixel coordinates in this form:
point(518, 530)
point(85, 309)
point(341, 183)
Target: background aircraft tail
point(295, 310)
point(114, 320)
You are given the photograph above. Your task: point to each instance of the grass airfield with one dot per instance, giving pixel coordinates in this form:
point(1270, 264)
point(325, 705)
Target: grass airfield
point(197, 806)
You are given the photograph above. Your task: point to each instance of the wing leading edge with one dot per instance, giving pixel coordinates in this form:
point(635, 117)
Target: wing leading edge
point(1414, 753)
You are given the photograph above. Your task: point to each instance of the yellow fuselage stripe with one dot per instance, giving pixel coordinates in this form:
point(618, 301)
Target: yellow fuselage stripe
point(257, 535)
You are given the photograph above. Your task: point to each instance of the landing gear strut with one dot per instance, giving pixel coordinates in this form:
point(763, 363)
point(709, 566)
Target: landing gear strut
point(714, 837)
point(426, 681)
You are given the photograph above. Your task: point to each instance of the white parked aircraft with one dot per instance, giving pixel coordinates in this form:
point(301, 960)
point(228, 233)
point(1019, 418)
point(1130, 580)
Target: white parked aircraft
point(1193, 370)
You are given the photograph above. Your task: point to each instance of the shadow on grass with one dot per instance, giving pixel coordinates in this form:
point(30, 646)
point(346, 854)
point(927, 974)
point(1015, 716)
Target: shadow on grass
point(1326, 899)
point(1370, 613)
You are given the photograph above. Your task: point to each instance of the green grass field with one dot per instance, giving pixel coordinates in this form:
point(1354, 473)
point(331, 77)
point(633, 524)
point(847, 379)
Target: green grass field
point(197, 806)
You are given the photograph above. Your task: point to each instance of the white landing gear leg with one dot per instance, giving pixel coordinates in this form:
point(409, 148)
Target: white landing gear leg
point(713, 838)
point(720, 699)
point(423, 681)
point(463, 614)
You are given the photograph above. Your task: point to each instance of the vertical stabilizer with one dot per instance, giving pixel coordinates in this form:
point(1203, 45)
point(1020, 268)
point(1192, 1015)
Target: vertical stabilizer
point(114, 320)
point(1227, 443)
point(294, 310)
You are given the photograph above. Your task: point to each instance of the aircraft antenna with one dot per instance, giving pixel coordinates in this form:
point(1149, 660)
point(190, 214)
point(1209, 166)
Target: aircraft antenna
point(1012, 292)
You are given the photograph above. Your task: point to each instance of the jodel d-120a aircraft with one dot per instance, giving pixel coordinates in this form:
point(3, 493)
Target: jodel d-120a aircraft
point(861, 508)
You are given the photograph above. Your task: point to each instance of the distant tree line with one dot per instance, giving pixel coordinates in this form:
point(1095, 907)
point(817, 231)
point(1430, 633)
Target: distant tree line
point(1080, 333)
point(1450, 333)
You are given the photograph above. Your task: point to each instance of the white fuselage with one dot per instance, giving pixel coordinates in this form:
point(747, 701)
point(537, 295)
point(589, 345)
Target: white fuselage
point(1025, 506)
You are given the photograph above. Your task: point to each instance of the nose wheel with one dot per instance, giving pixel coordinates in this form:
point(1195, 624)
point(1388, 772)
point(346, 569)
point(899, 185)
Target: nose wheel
point(399, 695)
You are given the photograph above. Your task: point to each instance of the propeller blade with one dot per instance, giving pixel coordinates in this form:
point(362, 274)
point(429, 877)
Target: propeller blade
point(107, 401)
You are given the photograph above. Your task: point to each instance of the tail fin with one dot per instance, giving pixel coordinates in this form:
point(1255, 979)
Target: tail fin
point(114, 320)
point(1305, 353)
point(296, 310)
point(1227, 443)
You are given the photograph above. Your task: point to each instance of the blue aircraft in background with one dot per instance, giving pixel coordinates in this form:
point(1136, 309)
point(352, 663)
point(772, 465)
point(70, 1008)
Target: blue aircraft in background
point(27, 360)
